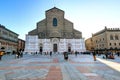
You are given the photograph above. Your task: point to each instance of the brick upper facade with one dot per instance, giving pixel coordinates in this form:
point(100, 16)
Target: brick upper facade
point(55, 26)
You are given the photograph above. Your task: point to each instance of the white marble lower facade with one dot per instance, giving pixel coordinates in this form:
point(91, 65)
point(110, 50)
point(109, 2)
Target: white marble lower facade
point(33, 44)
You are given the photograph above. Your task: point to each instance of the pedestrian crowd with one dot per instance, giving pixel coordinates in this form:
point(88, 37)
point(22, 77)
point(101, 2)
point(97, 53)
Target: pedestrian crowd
point(106, 54)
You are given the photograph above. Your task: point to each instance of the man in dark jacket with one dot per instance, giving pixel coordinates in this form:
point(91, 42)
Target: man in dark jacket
point(94, 55)
point(65, 55)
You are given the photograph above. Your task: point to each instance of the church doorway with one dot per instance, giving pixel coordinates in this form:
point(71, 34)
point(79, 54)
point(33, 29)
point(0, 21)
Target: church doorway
point(69, 49)
point(54, 47)
point(41, 49)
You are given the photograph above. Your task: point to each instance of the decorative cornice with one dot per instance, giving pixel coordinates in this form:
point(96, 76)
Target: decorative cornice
point(3, 27)
point(106, 29)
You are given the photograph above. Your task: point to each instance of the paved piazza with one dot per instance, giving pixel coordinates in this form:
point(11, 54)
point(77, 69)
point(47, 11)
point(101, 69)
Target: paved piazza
point(44, 67)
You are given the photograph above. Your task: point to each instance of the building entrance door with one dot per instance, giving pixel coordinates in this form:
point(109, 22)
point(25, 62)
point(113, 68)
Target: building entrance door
point(41, 49)
point(69, 49)
point(54, 47)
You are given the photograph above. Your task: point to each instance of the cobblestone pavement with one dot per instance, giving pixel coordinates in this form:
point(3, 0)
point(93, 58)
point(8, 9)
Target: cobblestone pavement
point(44, 67)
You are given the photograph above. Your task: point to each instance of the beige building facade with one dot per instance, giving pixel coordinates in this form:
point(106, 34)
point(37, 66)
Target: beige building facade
point(8, 39)
point(89, 44)
point(54, 33)
point(21, 45)
point(106, 39)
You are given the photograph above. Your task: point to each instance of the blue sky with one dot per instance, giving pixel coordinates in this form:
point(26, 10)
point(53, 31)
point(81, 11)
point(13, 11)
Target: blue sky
point(88, 16)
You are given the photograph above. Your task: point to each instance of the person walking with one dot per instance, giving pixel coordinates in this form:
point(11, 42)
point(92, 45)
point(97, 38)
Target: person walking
point(118, 54)
point(18, 54)
point(50, 53)
point(106, 55)
point(94, 55)
point(76, 53)
point(66, 56)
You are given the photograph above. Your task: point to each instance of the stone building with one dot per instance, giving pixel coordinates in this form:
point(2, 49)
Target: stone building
point(54, 33)
point(21, 45)
point(89, 44)
point(8, 39)
point(106, 39)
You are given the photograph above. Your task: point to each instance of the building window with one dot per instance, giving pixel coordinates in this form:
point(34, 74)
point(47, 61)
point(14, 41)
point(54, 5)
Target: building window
point(110, 44)
point(96, 41)
point(115, 44)
point(103, 39)
point(54, 22)
point(97, 45)
point(116, 37)
point(111, 37)
point(5, 33)
point(102, 45)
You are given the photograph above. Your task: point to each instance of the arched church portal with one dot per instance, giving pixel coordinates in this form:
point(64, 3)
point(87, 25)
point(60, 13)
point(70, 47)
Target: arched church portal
point(41, 48)
point(69, 49)
point(54, 47)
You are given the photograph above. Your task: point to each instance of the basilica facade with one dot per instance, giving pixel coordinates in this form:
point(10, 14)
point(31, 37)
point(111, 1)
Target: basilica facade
point(54, 33)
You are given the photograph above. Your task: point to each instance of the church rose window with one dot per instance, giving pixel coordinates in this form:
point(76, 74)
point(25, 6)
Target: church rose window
point(54, 22)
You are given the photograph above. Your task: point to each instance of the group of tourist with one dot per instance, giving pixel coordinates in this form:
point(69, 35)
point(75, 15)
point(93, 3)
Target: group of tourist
point(19, 54)
point(106, 55)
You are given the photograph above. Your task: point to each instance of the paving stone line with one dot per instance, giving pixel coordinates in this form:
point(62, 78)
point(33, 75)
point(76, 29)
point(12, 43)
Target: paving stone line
point(64, 73)
point(107, 76)
point(70, 73)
